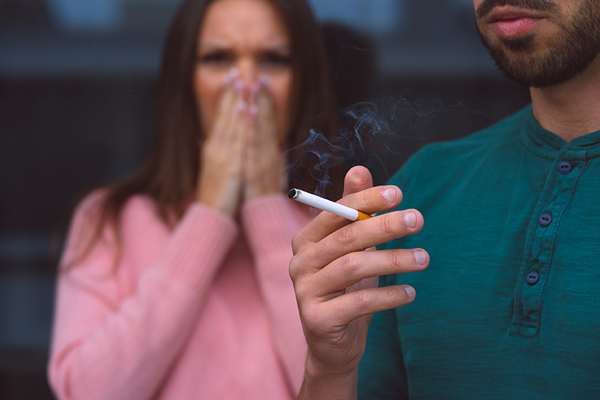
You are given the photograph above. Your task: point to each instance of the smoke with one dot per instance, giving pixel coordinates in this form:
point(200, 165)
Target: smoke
point(371, 134)
point(329, 154)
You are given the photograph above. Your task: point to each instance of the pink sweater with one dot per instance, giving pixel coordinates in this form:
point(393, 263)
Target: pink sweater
point(205, 311)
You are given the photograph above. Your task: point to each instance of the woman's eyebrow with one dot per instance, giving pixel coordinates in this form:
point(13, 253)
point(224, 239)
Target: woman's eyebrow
point(212, 46)
point(278, 47)
point(224, 46)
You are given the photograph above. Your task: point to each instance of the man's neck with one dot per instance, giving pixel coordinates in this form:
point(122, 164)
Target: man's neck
point(572, 109)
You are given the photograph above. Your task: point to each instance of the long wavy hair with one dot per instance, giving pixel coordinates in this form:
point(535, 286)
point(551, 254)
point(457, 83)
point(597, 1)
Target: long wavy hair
point(170, 173)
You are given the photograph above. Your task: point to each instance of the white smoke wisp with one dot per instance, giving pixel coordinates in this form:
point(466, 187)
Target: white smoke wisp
point(370, 134)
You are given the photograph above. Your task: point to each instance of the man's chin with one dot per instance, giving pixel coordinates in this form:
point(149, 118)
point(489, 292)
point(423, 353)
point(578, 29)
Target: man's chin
point(521, 44)
point(555, 59)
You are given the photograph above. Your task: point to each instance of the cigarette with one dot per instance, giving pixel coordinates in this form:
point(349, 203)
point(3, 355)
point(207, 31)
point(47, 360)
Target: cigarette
point(327, 205)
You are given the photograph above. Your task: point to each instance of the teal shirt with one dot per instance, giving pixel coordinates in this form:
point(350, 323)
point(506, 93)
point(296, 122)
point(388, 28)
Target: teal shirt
point(509, 307)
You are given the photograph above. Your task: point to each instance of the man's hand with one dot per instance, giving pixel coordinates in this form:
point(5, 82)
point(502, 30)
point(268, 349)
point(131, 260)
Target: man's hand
point(335, 281)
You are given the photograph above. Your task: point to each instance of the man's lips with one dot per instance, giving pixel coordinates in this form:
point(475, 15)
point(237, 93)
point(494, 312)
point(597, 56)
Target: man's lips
point(510, 22)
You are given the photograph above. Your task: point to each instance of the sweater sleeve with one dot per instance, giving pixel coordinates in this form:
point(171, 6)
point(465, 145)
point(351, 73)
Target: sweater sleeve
point(106, 345)
point(269, 224)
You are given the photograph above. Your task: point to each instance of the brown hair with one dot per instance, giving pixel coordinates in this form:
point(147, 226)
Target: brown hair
point(170, 173)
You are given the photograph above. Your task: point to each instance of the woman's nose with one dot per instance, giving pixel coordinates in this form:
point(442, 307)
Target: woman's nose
point(248, 76)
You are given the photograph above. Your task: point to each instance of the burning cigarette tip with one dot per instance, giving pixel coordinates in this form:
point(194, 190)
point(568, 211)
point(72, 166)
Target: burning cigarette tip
point(293, 194)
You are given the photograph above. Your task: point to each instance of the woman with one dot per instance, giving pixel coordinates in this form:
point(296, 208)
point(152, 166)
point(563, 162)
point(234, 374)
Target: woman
point(174, 283)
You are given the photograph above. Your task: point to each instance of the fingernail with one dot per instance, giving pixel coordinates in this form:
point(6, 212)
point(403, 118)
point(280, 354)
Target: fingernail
point(253, 110)
point(239, 85)
point(389, 194)
point(242, 105)
point(255, 89)
point(410, 292)
point(411, 219)
point(231, 75)
point(421, 257)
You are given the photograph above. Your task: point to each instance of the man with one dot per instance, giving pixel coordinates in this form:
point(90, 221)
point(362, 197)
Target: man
point(509, 278)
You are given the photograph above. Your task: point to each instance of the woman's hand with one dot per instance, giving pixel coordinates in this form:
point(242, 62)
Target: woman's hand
point(220, 182)
point(264, 164)
point(241, 156)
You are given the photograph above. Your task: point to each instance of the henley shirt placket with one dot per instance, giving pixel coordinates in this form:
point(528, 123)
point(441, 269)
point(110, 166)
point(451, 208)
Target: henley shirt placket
point(536, 267)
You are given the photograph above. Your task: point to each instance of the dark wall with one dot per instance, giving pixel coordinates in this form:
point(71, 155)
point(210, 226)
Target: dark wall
point(58, 138)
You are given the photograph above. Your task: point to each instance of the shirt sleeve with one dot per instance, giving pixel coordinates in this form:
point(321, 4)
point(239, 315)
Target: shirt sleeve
point(269, 224)
point(381, 372)
point(106, 345)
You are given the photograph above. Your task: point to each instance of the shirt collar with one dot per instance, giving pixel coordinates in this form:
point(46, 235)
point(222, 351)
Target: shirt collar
point(549, 145)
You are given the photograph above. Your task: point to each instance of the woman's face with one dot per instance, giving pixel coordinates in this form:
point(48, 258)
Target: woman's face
point(250, 36)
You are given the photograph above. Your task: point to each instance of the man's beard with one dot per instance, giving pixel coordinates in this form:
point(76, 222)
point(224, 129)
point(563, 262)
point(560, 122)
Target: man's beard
point(577, 47)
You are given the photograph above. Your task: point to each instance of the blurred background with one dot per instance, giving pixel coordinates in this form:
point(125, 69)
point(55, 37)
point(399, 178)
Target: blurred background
point(77, 82)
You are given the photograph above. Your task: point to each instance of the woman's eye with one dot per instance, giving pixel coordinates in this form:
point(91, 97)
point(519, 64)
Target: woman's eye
point(214, 58)
point(276, 60)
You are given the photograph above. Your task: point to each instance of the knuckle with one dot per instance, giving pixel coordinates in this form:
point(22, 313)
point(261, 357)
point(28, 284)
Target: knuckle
point(394, 258)
point(302, 265)
point(293, 269)
point(371, 198)
point(312, 319)
point(348, 265)
point(311, 325)
point(301, 292)
point(362, 300)
point(365, 197)
point(387, 225)
point(345, 236)
point(394, 296)
point(298, 242)
point(295, 243)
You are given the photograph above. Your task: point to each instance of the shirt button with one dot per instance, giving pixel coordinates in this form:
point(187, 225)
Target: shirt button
point(532, 278)
point(565, 167)
point(545, 219)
